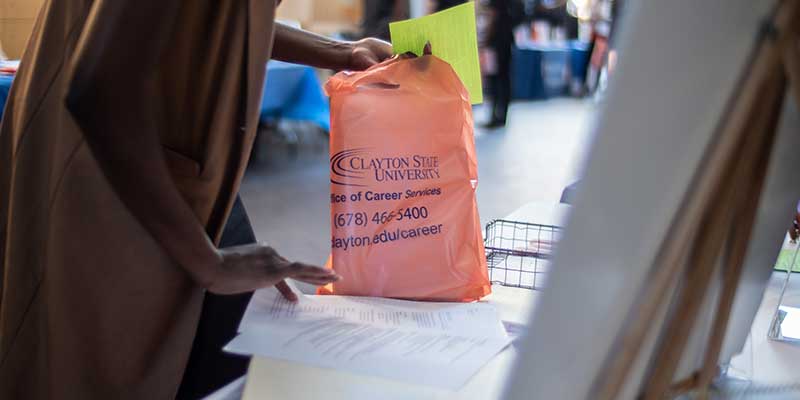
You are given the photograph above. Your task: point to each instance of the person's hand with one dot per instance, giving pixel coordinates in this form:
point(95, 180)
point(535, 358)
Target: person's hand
point(255, 266)
point(367, 52)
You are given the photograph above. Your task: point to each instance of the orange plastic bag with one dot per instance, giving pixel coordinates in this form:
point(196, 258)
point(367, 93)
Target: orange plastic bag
point(403, 177)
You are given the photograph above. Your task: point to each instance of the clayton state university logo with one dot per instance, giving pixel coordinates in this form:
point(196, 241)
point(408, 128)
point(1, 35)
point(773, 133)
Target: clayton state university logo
point(360, 167)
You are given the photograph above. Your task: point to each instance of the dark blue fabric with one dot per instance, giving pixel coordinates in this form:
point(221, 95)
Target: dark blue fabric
point(579, 59)
point(555, 70)
point(526, 75)
point(541, 71)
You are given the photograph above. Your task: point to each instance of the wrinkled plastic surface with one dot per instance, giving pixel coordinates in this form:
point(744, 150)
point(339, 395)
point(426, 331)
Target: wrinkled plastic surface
point(404, 219)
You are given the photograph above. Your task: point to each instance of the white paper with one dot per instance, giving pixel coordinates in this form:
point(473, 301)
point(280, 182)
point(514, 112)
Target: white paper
point(790, 326)
point(462, 319)
point(231, 391)
point(435, 344)
point(420, 356)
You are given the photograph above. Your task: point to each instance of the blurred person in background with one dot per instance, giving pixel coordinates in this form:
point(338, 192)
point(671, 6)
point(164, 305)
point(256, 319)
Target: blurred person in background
point(606, 15)
point(379, 13)
point(556, 14)
point(503, 16)
point(439, 5)
point(126, 257)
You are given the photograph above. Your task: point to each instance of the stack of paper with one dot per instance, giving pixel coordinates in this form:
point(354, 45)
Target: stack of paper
point(436, 344)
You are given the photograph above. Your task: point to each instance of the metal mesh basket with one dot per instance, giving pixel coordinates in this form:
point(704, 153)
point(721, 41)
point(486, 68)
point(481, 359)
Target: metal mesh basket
point(518, 253)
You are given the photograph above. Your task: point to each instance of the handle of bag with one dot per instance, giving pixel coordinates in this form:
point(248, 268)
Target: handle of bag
point(383, 75)
point(380, 75)
point(381, 81)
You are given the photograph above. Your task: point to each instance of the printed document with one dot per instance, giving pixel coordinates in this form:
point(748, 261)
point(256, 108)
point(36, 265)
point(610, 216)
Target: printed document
point(463, 319)
point(434, 344)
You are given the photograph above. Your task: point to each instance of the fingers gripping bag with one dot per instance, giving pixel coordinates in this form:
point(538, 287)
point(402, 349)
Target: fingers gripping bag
point(404, 220)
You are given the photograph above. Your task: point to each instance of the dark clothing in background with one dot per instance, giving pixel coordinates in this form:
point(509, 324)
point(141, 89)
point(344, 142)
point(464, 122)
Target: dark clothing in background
point(445, 4)
point(557, 16)
point(501, 41)
point(500, 89)
point(210, 368)
point(377, 16)
point(505, 19)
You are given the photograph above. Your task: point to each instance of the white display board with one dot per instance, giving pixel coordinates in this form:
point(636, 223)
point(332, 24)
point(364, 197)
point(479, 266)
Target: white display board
point(679, 62)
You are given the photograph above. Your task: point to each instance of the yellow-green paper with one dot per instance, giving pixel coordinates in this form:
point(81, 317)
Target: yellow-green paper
point(453, 38)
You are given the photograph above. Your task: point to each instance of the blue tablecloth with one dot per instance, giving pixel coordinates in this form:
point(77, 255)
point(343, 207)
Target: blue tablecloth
point(543, 71)
point(5, 86)
point(579, 59)
point(291, 91)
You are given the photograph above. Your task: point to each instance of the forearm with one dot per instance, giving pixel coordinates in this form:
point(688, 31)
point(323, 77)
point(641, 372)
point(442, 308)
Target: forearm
point(303, 47)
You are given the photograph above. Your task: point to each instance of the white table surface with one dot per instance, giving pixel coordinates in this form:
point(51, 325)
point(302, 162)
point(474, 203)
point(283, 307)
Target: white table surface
point(277, 379)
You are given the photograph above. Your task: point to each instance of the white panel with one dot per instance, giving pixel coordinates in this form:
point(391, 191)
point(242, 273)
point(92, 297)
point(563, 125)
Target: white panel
point(679, 61)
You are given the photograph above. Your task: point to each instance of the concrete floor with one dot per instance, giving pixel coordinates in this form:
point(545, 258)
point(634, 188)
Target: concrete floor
point(532, 159)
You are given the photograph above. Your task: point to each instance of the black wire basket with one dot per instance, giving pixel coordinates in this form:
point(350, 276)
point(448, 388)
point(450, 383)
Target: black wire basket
point(518, 254)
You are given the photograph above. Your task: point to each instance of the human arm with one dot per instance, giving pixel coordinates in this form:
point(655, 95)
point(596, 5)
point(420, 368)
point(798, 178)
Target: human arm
point(303, 47)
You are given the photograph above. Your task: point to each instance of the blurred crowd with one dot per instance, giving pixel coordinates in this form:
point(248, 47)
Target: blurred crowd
point(502, 24)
